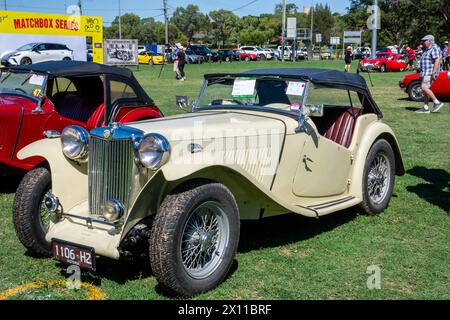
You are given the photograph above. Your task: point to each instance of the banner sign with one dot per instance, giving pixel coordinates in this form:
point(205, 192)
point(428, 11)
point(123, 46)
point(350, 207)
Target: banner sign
point(291, 30)
point(30, 23)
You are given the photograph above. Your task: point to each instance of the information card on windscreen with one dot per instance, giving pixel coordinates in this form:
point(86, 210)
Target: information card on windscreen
point(295, 88)
point(244, 88)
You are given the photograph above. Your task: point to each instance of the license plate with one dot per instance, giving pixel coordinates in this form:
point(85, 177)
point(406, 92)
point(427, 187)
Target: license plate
point(84, 257)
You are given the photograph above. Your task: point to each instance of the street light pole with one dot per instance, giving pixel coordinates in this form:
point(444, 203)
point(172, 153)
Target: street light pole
point(283, 32)
point(6, 8)
point(120, 23)
point(166, 23)
point(374, 28)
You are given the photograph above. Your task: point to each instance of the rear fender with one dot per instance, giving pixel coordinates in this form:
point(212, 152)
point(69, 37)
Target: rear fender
point(376, 131)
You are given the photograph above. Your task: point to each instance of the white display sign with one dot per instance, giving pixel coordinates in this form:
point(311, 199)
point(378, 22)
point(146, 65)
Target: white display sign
point(335, 41)
point(121, 52)
point(295, 88)
point(318, 37)
point(244, 88)
point(291, 30)
point(37, 80)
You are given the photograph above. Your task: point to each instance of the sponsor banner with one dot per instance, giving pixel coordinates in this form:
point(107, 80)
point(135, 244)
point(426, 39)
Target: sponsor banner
point(31, 23)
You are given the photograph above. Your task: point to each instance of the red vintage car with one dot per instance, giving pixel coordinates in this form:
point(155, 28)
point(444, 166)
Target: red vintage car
point(411, 84)
point(40, 100)
point(385, 61)
point(246, 56)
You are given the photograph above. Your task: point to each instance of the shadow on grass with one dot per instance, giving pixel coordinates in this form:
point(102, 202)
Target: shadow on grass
point(9, 184)
point(436, 191)
point(255, 235)
point(290, 228)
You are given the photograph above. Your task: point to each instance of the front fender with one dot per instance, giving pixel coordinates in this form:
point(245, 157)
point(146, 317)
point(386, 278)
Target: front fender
point(374, 132)
point(69, 179)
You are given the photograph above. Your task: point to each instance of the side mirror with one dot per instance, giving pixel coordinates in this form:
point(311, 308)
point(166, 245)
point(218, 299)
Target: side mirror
point(314, 110)
point(182, 102)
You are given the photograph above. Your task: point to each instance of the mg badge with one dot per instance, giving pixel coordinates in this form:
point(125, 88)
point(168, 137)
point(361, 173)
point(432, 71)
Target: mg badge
point(107, 134)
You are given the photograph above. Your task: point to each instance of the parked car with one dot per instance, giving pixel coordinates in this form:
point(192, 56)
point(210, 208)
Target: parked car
point(361, 53)
point(40, 100)
point(325, 55)
point(411, 84)
point(276, 54)
point(262, 54)
point(36, 52)
point(141, 49)
point(384, 62)
point(204, 51)
point(301, 53)
point(228, 55)
point(308, 141)
point(192, 57)
point(149, 57)
point(244, 56)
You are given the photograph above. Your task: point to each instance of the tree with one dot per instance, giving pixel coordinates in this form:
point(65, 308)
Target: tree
point(291, 8)
point(224, 24)
point(323, 21)
point(190, 21)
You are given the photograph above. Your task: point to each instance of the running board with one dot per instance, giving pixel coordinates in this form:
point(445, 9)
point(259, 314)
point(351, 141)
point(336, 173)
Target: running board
point(330, 203)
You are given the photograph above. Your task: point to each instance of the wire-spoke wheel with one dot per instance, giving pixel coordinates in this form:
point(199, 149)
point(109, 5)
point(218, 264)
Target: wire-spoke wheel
point(194, 238)
point(205, 237)
point(378, 178)
point(415, 91)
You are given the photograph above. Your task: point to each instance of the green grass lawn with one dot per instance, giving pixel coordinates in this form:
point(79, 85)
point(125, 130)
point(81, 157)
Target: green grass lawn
point(292, 257)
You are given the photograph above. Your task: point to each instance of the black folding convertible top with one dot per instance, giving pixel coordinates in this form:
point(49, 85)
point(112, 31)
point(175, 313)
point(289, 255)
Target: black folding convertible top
point(73, 68)
point(322, 77)
point(318, 76)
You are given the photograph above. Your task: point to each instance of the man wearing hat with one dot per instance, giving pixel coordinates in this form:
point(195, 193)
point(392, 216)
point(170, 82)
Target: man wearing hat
point(429, 65)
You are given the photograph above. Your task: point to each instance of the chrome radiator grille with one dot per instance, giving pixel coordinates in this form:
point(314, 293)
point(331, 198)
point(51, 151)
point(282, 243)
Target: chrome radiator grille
point(110, 172)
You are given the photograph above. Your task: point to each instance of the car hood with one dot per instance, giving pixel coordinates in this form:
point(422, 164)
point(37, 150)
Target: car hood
point(215, 124)
point(8, 54)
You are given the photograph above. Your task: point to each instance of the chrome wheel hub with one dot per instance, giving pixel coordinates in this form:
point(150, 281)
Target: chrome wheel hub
point(379, 179)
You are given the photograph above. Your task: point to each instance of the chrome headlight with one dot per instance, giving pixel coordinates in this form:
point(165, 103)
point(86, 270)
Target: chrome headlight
point(153, 151)
point(75, 143)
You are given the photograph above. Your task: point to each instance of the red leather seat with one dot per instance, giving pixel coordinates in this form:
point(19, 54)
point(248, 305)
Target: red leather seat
point(97, 118)
point(341, 131)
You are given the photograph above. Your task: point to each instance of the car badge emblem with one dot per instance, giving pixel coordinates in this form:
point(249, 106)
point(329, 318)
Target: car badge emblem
point(107, 134)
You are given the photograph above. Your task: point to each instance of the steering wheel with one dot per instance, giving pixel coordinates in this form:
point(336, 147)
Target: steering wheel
point(21, 90)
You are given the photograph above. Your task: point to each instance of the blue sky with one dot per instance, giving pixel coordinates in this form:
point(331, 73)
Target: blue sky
point(109, 8)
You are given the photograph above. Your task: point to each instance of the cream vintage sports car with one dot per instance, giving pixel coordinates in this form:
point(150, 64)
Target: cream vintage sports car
point(256, 144)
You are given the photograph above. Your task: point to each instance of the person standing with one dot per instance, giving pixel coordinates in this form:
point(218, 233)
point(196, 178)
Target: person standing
point(446, 55)
point(348, 59)
point(411, 56)
point(429, 70)
point(175, 60)
point(181, 63)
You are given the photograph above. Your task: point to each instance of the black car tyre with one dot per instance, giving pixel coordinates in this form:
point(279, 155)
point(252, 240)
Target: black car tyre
point(194, 239)
point(30, 218)
point(262, 57)
point(378, 177)
point(25, 61)
point(247, 59)
point(415, 92)
point(67, 59)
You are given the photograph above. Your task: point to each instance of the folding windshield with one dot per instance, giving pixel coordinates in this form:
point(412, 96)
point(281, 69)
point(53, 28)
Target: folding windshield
point(22, 83)
point(253, 92)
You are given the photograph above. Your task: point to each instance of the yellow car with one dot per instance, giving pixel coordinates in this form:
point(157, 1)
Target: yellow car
point(149, 57)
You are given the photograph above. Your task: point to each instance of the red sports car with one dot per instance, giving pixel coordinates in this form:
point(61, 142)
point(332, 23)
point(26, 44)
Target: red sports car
point(246, 56)
point(411, 84)
point(384, 62)
point(40, 100)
